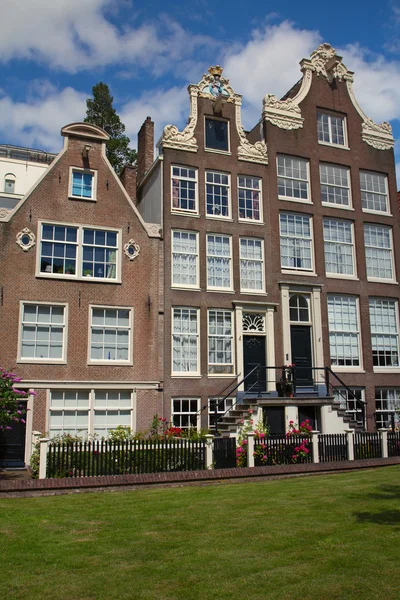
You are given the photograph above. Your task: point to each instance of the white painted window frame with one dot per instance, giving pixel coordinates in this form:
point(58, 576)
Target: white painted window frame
point(185, 211)
point(344, 146)
point(335, 204)
point(260, 261)
point(93, 173)
point(349, 368)
point(334, 275)
point(259, 190)
point(63, 359)
point(196, 285)
point(186, 374)
point(110, 362)
point(307, 200)
point(389, 250)
point(183, 413)
point(231, 337)
point(228, 217)
point(369, 210)
point(208, 255)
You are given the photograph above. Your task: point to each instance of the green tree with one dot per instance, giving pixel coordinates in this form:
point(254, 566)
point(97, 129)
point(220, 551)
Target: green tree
point(100, 111)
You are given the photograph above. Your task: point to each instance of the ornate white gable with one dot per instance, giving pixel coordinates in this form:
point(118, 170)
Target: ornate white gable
point(216, 87)
point(324, 61)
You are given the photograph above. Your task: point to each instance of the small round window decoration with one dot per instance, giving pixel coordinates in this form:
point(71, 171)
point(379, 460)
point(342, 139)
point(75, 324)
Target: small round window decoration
point(131, 249)
point(25, 239)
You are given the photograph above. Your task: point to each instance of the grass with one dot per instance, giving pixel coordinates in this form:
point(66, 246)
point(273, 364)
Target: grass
point(326, 537)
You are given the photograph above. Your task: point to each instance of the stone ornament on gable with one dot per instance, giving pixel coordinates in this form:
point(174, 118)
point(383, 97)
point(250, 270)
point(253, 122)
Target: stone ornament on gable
point(25, 239)
point(131, 249)
point(4, 212)
point(213, 86)
point(286, 114)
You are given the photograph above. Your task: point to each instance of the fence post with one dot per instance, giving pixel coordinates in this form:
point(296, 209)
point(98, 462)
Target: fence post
point(250, 449)
point(209, 451)
point(350, 443)
point(35, 438)
point(44, 447)
point(315, 448)
point(384, 442)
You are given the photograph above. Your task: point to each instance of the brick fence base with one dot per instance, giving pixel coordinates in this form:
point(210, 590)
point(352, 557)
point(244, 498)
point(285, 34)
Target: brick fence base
point(34, 487)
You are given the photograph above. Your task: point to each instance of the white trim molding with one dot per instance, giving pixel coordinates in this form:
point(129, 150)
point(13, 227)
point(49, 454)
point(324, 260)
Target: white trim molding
point(324, 61)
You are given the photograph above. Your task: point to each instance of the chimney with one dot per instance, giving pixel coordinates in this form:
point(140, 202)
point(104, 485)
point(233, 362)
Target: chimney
point(128, 180)
point(145, 148)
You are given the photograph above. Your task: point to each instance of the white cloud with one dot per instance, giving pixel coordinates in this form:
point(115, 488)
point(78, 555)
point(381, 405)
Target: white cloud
point(164, 106)
point(65, 35)
point(268, 63)
point(38, 121)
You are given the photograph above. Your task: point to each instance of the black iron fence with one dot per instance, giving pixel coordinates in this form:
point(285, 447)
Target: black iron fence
point(367, 445)
point(224, 453)
point(282, 450)
point(332, 447)
point(394, 443)
point(88, 459)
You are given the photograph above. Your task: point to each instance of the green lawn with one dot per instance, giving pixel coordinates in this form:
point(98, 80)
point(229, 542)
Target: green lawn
point(325, 537)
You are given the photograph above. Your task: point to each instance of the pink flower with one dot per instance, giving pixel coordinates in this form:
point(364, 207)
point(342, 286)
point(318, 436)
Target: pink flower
point(244, 442)
point(306, 450)
point(297, 449)
point(251, 422)
point(291, 422)
point(250, 412)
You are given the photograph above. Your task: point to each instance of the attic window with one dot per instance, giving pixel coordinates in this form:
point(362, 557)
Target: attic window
point(9, 184)
point(82, 184)
point(217, 135)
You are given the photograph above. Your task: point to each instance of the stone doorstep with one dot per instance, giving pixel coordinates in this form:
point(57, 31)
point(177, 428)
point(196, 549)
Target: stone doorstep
point(74, 484)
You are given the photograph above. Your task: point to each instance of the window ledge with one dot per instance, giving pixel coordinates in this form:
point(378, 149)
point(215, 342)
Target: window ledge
point(214, 375)
point(347, 369)
point(333, 205)
point(386, 369)
point(299, 272)
point(65, 277)
point(340, 276)
point(184, 213)
point(40, 361)
point(378, 280)
point(333, 145)
point(226, 152)
point(253, 292)
point(216, 218)
point(186, 289)
point(82, 198)
point(185, 376)
point(300, 200)
point(109, 363)
point(377, 212)
point(220, 290)
point(250, 221)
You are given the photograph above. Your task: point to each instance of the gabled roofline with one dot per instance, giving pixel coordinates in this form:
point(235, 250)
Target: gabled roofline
point(87, 130)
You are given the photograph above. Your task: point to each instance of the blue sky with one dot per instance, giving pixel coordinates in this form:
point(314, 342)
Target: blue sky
point(53, 51)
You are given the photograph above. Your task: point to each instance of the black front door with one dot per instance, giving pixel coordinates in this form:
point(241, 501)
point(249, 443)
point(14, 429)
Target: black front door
point(12, 446)
point(301, 353)
point(310, 413)
point(253, 356)
point(274, 417)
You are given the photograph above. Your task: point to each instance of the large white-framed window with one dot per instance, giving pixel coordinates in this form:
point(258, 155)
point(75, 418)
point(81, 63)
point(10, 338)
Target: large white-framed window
point(185, 413)
point(184, 189)
point(185, 341)
point(332, 129)
point(251, 252)
point(218, 195)
point(387, 406)
point(82, 184)
point(220, 342)
point(383, 315)
point(86, 412)
point(335, 185)
point(185, 259)
point(344, 331)
point(69, 412)
point(43, 332)
point(350, 400)
point(219, 262)
point(78, 252)
point(293, 178)
point(111, 409)
point(110, 335)
point(374, 192)
point(378, 252)
point(339, 248)
point(217, 407)
point(216, 136)
point(250, 198)
point(296, 242)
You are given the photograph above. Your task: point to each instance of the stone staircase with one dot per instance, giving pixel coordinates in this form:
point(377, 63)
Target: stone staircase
point(351, 423)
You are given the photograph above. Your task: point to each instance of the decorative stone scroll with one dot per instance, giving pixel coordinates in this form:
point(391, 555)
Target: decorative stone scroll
point(25, 239)
point(324, 61)
point(215, 87)
point(131, 249)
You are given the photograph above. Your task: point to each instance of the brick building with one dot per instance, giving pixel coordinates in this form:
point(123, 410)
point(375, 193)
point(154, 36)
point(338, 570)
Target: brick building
point(187, 285)
point(80, 296)
point(280, 247)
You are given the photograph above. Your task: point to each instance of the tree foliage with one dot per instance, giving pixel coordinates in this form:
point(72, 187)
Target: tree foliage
point(11, 409)
point(100, 111)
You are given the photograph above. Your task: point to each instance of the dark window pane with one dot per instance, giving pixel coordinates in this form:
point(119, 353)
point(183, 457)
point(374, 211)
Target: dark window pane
point(217, 135)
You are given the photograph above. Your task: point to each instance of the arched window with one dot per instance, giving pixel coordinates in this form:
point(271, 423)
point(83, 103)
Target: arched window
point(9, 183)
point(299, 309)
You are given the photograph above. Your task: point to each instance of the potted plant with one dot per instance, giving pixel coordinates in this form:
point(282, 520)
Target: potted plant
point(69, 269)
point(87, 273)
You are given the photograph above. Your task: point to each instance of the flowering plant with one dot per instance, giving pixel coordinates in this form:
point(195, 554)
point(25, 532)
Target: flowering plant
point(261, 430)
point(11, 409)
point(301, 451)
